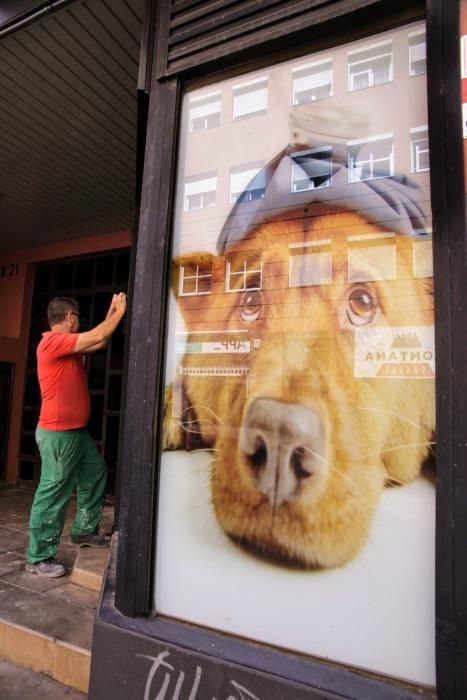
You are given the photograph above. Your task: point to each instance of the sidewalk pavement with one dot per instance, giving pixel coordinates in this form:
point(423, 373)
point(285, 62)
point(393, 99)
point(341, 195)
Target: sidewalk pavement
point(18, 683)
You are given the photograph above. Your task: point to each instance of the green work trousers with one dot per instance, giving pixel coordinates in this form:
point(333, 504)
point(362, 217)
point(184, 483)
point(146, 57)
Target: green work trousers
point(70, 459)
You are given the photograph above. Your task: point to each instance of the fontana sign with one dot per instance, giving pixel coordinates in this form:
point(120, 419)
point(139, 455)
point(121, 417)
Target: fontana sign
point(400, 351)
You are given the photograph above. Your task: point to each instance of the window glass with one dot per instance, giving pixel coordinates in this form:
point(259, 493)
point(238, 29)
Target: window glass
point(423, 256)
point(372, 158)
point(205, 112)
point(311, 264)
point(311, 169)
point(370, 66)
point(312, 82)
point(250, 98)
point(247, 183)
point(200, 192)
point(296, 503)
point(417, 53)
point(243, 272)
point(419, 149)
point(371, 257)
point(195, 279)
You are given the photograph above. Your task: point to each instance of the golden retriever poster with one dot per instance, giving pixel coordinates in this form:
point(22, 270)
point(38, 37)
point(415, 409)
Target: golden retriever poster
point(299, 420)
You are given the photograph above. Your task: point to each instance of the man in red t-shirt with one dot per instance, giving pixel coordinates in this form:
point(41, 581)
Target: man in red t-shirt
point(69, 455)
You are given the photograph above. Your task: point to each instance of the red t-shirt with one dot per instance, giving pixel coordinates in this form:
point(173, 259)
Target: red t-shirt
point(64, 386)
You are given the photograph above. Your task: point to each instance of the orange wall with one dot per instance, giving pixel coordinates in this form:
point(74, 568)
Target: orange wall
point(12, 287)
point(15, 308)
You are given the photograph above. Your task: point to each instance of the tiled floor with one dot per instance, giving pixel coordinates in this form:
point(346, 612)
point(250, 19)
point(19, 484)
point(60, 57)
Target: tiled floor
point(55, 608)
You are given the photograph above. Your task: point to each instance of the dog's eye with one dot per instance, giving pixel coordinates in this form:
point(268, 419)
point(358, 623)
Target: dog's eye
point(250, 306)
point(362, 306)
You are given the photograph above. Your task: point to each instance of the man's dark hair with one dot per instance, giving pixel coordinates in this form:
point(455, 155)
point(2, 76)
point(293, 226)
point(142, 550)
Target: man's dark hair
point(58, 309)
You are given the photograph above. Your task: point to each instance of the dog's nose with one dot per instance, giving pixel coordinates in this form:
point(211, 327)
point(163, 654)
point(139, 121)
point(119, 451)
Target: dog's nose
point(284, 445)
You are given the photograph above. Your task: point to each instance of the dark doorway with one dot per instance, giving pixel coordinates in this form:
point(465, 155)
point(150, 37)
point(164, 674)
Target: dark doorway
point(6, 386)
point(91, 280)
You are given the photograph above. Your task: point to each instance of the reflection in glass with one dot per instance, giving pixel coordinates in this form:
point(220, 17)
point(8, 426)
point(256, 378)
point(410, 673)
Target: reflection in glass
point(243, 273)
point(371, 158)
point(423, 257)
point(312, 82)
point(372, 257)
point(300, 362)
point(419, 149)
point(311, 169)
point(417, 53)
point(200, 192)
point(194, 279)
point(250, 98)
point(369, 66)
point(205, 112)
point(247, 183)
point(310, 264)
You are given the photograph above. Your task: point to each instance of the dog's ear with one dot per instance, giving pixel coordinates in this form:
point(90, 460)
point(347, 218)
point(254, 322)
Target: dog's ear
point(192, 274)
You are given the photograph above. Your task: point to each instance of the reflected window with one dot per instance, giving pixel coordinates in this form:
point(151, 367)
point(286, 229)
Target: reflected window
point(372, 158)
point(370, 66)
point(250, 98)
point(312, 82)
point(311, 169)
point(464, 56)
point(419, 149)
point(310, 264)
point(243, 272)
point(200, 192)
point(371, 257)
point(423, 254)
point(194, 280)
point(205, 112)
point(247, 183)
point(417, 53)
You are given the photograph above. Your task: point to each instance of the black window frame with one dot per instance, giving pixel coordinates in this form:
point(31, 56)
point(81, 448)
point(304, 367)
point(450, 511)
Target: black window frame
point(144, 398)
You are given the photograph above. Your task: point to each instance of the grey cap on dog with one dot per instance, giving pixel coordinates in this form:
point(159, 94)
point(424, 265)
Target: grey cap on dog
point(394, 203)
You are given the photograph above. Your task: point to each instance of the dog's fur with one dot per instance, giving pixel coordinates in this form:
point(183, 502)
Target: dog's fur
point(371, 432)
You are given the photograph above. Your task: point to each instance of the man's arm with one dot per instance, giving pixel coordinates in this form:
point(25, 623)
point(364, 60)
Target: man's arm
point(98, 337)
point(94, 348)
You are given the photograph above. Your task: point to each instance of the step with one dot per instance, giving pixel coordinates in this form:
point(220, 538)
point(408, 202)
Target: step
point(19, 682)
point(47, 631)
point(46, 625)
point(89, 568)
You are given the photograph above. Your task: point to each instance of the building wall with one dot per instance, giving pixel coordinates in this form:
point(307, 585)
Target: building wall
point(16, 286)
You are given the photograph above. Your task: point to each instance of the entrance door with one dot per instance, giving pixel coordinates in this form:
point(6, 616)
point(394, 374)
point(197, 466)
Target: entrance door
point(91, 280)
point(6, 385)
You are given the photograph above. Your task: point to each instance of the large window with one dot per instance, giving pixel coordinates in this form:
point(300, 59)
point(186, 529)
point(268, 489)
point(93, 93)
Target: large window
point(369, 66)
point(371, 158)
point(250, 98)
point(205, 112)
point(419, 149)
point(417, 53)
point(299, 370)
point(200, 192)
point(311, 169)
point(312, 82)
